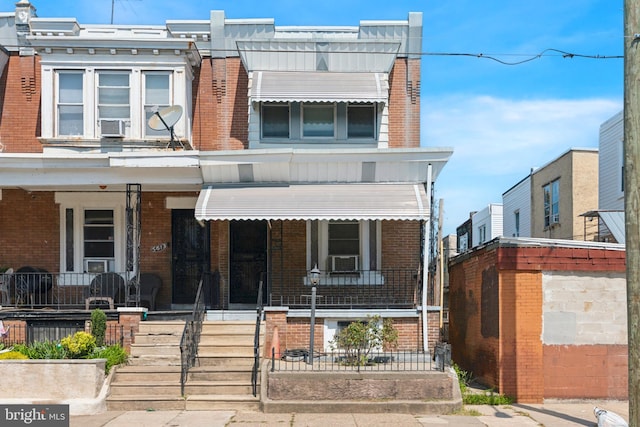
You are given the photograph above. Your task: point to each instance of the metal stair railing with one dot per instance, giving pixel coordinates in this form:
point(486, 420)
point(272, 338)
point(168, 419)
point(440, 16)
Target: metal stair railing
point(191, 335)
point(256, 341)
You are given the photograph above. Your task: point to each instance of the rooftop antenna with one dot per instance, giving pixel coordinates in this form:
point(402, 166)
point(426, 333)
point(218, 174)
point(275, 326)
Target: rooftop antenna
point(166, 119)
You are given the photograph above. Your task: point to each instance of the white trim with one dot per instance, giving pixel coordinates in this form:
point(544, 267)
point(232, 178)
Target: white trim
point(180, 202)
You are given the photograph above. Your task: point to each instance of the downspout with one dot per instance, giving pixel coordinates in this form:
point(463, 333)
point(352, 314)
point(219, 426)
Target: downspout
point(425, 266)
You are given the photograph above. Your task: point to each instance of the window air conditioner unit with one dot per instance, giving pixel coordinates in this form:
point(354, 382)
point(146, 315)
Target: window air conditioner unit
point(112, 128)
point(344, 263)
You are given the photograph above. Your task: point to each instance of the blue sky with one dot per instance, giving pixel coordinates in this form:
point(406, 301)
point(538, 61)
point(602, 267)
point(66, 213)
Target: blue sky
point(501, 120)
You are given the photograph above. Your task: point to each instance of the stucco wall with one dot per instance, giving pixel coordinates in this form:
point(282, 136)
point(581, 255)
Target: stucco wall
point(52, 379)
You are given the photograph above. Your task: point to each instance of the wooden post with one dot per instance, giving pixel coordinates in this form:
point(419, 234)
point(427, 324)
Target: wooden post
point(632, 198)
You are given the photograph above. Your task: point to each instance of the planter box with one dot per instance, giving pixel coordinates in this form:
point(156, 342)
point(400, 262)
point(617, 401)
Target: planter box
point(54, 380)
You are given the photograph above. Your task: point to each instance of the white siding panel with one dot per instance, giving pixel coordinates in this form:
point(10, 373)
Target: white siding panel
point(610, 193)
point(517, 199)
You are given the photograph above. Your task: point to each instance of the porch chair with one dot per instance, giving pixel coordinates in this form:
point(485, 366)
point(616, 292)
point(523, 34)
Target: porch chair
point(5, 283)
point(150, 285)
point(105, 288)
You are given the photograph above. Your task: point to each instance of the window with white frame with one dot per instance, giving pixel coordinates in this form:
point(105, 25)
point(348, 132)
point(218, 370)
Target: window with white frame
point(99, 103)
point(339, 247)
point(114, 95)
point(551, 194)
point(157, 95)
point(99, 240)
point(93, 232)
point(70, 103)
point(318, 120)
point(482, 234)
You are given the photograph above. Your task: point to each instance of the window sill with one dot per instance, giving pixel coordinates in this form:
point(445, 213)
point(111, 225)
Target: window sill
point(371, 278)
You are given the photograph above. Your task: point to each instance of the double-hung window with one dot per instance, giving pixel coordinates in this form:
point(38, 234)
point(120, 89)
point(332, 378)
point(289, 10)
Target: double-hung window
point(157, 95)
point(114, 97)
point(551, 192)
point(70, 103)
point(318, 121)
point(99, 240)
point(344, 245)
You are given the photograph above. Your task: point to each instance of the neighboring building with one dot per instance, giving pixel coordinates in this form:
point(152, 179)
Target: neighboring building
point(610, 213)
point(487, 224)
point(464, 235)
point(516, 203)
point(561, 191)
point(280, 144)
point(541, 319)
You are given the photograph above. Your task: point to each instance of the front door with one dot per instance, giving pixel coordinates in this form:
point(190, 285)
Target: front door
point(248, 241)
point(190, 254)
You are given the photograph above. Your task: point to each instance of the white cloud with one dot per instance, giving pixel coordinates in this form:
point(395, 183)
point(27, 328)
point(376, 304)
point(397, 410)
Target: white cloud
point(497, 141)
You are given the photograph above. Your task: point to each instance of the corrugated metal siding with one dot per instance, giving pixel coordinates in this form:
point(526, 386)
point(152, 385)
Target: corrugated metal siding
point(314, 202)
point(283, 86)
point(610, 195)
point(615, 223)
point(301, 55)
point(517, 198)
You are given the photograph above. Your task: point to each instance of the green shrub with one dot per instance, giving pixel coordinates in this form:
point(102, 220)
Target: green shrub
point(79, 345)
point(359, 338)
point(114, 354)
point(98, 325)
point(12, 355)
point(42, 350)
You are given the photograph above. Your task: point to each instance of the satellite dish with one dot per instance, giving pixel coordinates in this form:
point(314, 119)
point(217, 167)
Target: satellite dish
point(166, 119)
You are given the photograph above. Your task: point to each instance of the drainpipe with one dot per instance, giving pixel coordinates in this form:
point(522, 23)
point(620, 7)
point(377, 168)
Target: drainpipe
point(425, 267)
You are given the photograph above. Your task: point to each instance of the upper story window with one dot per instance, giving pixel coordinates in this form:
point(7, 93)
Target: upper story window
point(318, 120)
point(275, 120)
point(482, 234)
point(113, 96)
point(109, 103)
point(70, 104)
point(361, 121)
point(157, 95)
point(551, 192)
point(516, 220)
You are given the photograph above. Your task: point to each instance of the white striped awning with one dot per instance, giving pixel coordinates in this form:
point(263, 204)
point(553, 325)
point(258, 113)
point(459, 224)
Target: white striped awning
point(308, 86)
point(314, 202)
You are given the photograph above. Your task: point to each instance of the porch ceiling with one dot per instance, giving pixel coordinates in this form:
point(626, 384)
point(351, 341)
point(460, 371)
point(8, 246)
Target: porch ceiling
point(314, 202)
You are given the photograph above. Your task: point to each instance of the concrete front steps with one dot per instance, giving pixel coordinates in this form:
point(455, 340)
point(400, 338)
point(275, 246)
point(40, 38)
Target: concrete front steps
point(221, 378)
point(151, 380)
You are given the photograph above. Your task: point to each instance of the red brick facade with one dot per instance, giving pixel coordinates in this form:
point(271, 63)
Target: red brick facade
point(496, 312)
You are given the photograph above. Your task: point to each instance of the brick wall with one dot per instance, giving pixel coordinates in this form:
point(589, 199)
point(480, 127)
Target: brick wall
point(404, 104)
point(20, 103)
point(30, 224)
point(501, 341)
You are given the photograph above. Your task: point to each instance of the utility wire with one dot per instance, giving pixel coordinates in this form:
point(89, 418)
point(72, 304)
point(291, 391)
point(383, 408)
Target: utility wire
point(545, 52)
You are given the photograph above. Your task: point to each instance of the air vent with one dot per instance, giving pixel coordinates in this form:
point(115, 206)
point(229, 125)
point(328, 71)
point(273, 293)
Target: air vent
point(112, 128)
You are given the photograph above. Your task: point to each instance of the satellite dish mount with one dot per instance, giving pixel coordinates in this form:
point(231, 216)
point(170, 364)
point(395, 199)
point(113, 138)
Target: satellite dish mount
point(165, 119)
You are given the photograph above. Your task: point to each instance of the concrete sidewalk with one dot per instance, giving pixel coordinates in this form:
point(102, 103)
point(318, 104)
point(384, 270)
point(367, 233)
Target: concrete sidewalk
point(551, 414)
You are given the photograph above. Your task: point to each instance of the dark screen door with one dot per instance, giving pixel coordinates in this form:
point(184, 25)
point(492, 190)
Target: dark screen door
point(248, 241)
point(191, 254)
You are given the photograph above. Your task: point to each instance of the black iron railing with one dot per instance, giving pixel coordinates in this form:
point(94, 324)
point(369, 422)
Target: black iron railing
point(388, 288)
point(296, 360)
point(255, 372)
point(63, 291)
point(191, 334)
point(52, 330)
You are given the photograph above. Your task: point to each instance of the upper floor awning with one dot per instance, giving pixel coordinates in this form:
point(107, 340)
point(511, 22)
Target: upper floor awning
point(318, 86)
